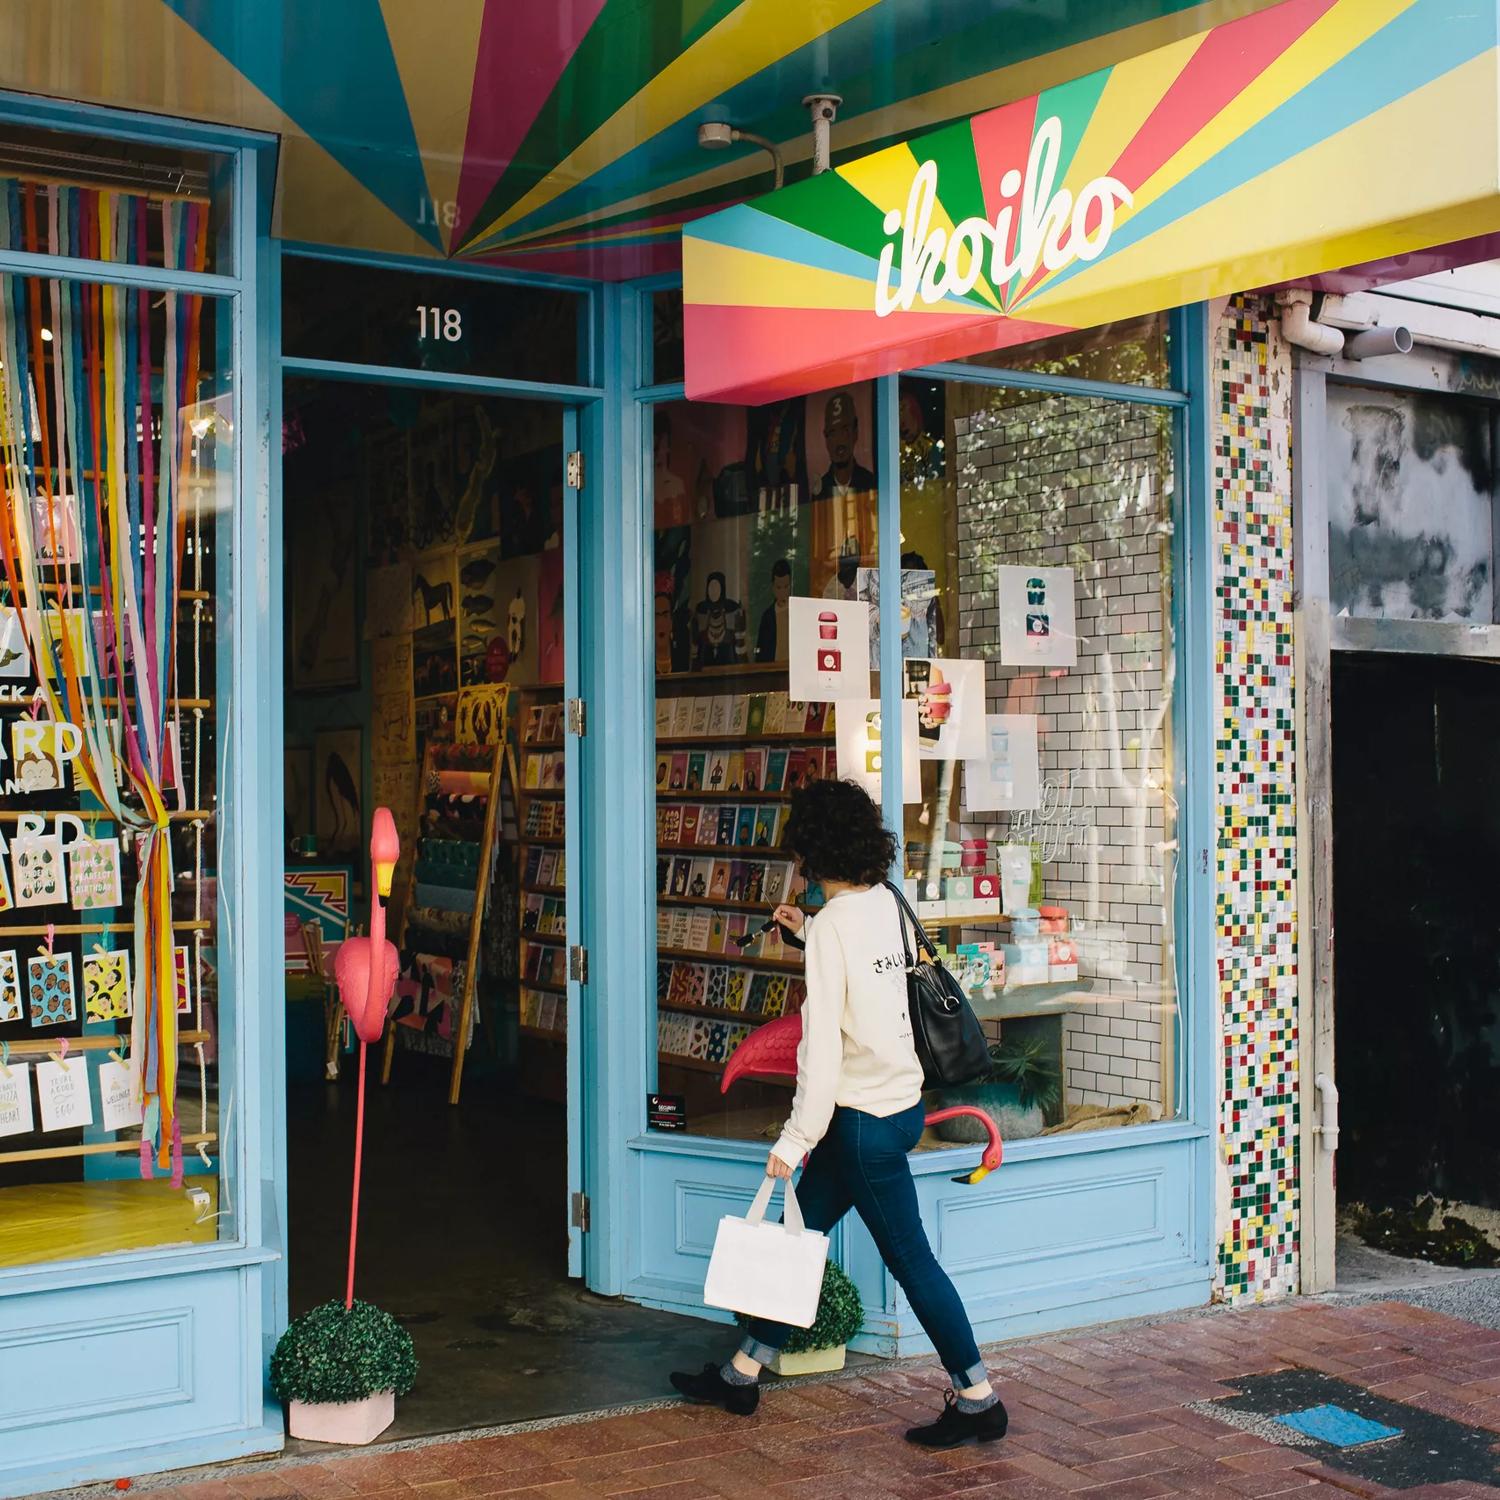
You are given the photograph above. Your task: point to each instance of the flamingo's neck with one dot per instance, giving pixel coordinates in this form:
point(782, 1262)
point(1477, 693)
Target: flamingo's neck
point(373, 996)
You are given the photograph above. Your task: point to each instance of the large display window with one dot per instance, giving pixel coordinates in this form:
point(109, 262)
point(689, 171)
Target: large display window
point(116, 515)
point(1036, 711)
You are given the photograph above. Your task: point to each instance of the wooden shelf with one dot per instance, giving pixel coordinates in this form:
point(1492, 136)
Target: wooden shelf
point(544, 890)
point(533, 936)
point(738, 669)
point(702, 1065)
point(780, 965)
point(546, 986)
point(739, 741)
point(538, 1034)
point(544, 840)
point(764, 906)
point(1033, 1000)
point(542, 745)
point(717, 1013)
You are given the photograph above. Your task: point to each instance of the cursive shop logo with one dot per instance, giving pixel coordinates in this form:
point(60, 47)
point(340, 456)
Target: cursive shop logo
point(1049, 227)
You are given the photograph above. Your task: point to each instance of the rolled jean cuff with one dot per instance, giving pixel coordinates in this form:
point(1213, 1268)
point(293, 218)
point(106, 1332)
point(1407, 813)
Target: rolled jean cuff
point(963, 1380)
point(761, 1353)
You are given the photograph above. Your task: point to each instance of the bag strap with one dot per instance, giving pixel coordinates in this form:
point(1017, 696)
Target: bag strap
point(762, 1202)
point(923, 941)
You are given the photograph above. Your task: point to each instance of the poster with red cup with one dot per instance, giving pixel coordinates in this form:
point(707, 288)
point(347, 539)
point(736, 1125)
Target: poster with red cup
point(949, 695)
point(829, 649)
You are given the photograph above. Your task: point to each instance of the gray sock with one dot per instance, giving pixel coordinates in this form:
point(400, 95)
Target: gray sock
point(735, 1377)
point(972, 1406)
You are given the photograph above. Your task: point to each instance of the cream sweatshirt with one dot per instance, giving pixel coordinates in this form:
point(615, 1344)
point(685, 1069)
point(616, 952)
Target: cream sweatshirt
point(856, 1047)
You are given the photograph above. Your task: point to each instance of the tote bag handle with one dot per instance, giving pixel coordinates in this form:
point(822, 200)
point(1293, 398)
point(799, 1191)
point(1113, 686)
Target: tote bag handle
point(757, 1214)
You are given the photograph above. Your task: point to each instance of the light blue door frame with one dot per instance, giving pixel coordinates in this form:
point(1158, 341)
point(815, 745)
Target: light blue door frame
point(138, 1362)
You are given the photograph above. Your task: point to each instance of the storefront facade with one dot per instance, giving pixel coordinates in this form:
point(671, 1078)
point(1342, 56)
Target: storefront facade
point(1143, 452)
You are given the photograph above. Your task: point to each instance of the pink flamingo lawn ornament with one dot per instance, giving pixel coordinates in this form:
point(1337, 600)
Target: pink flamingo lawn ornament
point(366, 970)
point(770, 1051)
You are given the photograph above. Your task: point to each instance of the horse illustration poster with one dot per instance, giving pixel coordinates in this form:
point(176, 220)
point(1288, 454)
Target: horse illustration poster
point(394, 713)
point(323, 553)
point(337, 778)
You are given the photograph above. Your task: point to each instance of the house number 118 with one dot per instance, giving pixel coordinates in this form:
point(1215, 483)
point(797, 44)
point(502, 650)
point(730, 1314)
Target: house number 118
point(440, 323)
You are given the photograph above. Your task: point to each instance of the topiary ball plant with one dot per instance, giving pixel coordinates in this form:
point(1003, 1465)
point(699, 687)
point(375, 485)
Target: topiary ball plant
point(840, 1315)
point(336, 1354)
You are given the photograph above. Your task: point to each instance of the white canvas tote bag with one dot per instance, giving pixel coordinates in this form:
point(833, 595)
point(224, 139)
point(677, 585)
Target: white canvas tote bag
point(768, 1270)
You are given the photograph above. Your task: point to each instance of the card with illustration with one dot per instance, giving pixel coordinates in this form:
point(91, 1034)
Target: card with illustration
point(7, 899)
point(62, 1088)
point(38, 867)
point(15, 1100)
point(120, 1104)
point(94, 865)
point(106, 985)
point(829, 649)
point(11, 1008)
point(15, 660)
point(49, 989)
point(41, 751)
point(182, 967)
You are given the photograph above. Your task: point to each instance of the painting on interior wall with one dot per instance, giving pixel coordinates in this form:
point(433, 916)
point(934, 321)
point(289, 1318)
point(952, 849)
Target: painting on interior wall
point(297, 763)
point(1411, 480)
point(841, 461)
point(337, 772)
point(549, 618)
point(321, 553)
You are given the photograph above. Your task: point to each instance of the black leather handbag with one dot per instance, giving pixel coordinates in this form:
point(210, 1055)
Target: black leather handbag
point(950, 1044)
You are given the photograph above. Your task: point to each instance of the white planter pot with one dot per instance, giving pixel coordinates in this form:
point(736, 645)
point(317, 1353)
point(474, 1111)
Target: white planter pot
point(813, 1362)
point(342, 1421)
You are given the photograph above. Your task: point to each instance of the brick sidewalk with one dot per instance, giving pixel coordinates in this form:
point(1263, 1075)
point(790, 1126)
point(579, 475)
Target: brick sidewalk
point(1102, 1413)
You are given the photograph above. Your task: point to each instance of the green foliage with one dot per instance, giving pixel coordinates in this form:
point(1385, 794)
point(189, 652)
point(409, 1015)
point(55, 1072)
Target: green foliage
point(1031, 1068)
point(840, 1315)
point(334, 1354)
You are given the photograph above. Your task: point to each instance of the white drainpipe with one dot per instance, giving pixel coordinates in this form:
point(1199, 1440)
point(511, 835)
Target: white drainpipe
point(1298, 327)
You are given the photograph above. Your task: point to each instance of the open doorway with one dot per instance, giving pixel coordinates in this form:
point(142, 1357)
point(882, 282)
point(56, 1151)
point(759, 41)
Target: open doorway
point(1416, 829)
point(426, 558)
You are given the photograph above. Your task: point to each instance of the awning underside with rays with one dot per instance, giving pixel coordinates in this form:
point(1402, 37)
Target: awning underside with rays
point(1313, 135)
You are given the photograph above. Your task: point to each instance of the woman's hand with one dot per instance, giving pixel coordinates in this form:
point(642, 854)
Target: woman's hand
point(775, 1167)
point(790, 917)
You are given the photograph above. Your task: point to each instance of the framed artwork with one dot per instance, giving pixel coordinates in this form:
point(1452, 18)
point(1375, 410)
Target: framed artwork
point(338, 781)
point(297, 764)
point(324, 638)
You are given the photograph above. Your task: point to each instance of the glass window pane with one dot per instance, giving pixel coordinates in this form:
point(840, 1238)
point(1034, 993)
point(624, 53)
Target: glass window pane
point(1037, 572)
point(114, 680)
point(93, 198)
point(753, 507)
point(1131, 353)
point(666, 337)
point(460, 325)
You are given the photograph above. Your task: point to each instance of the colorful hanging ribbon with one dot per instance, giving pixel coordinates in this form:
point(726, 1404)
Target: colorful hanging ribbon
point(117, 440)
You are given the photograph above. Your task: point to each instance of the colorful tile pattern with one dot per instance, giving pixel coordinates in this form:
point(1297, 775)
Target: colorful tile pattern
point(1256, 805)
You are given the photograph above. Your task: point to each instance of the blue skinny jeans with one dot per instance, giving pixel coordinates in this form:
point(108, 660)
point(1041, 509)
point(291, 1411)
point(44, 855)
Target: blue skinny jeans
point(861, 1163)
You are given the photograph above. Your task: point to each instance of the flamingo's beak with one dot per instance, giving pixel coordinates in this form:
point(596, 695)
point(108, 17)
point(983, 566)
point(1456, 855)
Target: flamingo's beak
point(969, 1179)
point(385, 870)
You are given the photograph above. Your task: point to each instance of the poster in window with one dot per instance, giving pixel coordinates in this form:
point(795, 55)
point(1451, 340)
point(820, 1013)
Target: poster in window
point(829, 650)
point(949, 698)
point(919, 610)
point(1038, 622)
point(844, 518)
point(1006, 778)
point(859, 746)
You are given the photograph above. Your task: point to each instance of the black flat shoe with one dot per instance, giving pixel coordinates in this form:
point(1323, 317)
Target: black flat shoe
point(956, 1427)
point(711, 1389)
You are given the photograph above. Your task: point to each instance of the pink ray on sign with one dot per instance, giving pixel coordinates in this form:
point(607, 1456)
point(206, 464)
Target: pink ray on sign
point(523, 50)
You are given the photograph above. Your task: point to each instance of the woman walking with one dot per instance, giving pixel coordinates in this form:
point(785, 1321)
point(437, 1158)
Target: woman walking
point(858, 1110)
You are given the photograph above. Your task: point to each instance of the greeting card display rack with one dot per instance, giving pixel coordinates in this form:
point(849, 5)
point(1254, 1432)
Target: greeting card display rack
point(462, 782)
point(731, 747)
point(541, 866)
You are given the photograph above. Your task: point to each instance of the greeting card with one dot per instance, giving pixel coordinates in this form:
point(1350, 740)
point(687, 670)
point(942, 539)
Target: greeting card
point(15, 660)
point(49, 989)
point(62, 1089)
point(106, 985)
point(120, 1103)
point(38, 864)
point(7, 900)
point(11, 1008)
point(15, 1100)
point(183, 969)
point(95, 868)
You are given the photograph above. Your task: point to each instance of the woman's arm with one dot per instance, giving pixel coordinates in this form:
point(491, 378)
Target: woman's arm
point(820, 1055)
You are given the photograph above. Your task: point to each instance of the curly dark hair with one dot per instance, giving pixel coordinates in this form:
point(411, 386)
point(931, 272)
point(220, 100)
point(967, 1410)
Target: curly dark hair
point(836, 832)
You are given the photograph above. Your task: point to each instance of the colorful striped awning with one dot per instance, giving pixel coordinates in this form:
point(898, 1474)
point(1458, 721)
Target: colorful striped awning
point(1313, 135)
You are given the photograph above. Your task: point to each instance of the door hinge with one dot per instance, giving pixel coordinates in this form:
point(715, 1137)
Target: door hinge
point(579, 1217)
point(578, 964)
point(578, 717)
point(575, 470)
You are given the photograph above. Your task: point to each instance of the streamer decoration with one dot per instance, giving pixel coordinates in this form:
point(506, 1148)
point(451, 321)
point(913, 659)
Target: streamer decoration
point(96, 456)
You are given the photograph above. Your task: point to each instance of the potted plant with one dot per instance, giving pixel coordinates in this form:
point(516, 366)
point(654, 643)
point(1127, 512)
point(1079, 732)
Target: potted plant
point(816, 1350)
point(1023, 1087)
point(340, 1370)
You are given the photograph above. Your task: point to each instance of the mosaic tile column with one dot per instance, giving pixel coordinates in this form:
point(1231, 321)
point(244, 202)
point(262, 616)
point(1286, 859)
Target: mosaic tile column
point(1256, 952)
